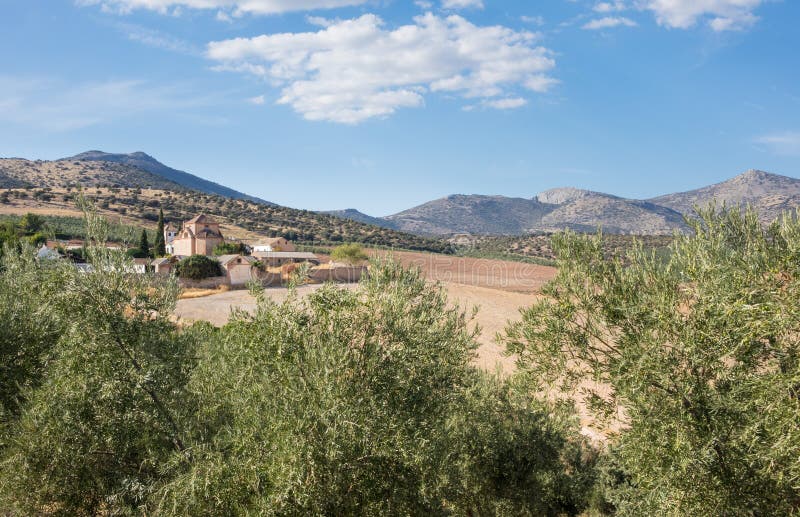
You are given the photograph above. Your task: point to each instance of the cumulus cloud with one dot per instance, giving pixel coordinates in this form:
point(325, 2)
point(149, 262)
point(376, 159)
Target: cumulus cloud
point(462, 4)
point(237, 7)
point(609, 7)
point(785, 143)
point(609, 22)
point(722, 15)
point(353, 70)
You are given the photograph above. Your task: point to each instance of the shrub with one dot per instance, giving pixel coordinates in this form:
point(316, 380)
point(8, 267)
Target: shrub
point(198, 267)
point(349, 253)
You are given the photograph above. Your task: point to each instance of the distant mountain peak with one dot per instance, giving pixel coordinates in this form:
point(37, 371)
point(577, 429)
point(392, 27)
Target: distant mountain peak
point(145, 162)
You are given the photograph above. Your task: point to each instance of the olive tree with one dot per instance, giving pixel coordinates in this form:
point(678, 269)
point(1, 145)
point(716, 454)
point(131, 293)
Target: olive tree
point(366, 402)
point(94, 435)
point(698, 353)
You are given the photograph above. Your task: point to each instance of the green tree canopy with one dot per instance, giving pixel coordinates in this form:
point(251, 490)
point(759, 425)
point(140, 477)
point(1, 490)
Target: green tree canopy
point(31, 223)
point(699, 352)
point(198, 267)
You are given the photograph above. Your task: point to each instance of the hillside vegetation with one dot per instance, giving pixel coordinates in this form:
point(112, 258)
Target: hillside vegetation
point(241, 219)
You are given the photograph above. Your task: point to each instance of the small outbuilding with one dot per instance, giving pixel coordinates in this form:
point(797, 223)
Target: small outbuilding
point(238, 268)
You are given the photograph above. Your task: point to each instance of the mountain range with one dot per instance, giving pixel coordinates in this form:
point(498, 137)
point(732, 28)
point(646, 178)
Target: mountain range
point(585, 210)
point(552, 210)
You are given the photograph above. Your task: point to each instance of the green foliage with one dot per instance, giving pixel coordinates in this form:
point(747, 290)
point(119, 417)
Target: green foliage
point(65, 227)
point(349, 253)
point(29, 327)
point(160, 247)
point(699, 348)
point(198, 267)
point(367, 403)
point(31, 223)
point(144, 245)
point(346, 402)
point(98, 371)
point(229, 248)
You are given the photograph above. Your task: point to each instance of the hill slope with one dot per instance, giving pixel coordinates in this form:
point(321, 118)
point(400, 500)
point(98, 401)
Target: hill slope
point(19, 173)
point(471, 214)
point(124, 192)
point(584, 210)
point(769, 194)
point(145, 162)
point(354, 215)
point(590, 210)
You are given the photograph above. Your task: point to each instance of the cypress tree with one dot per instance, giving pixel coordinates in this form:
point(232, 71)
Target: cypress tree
point(160, 247)
point(144, 245)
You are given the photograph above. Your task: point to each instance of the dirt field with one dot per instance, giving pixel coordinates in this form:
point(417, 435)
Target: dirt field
point(500, 275)
point(498, 288)
point(495, 308)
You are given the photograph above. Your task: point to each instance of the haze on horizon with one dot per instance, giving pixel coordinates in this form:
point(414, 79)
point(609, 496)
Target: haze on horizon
point(383, 105)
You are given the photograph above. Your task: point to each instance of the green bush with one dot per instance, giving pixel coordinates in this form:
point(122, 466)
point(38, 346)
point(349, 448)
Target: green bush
point(349, 253)
point(198, 267)
point(698, 347)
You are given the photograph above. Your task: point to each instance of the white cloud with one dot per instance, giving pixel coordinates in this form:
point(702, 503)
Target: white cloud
point(724, 14)
point(424, 4)
point(157, 39)
point(236, 7)
point(258, 100)
point(609, 7)
point(462, 4)
point(609, 22)
point(507, 104)
point(533, 20)
point(785, 143)
point(357, 69)
point(54, 105)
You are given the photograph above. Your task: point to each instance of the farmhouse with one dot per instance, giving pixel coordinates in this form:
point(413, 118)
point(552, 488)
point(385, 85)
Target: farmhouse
point(273, 244)
point(199, 236)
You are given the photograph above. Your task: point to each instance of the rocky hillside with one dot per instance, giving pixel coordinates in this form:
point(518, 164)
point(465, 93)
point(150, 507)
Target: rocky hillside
point(145, 162)
point(614, 214)
point(18, 172)
point(472, 214)
point(769, 194)
point(584, 210)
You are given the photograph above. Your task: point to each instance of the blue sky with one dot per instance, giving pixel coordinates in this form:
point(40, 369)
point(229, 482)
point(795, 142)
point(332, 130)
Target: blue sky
point(384, 104)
